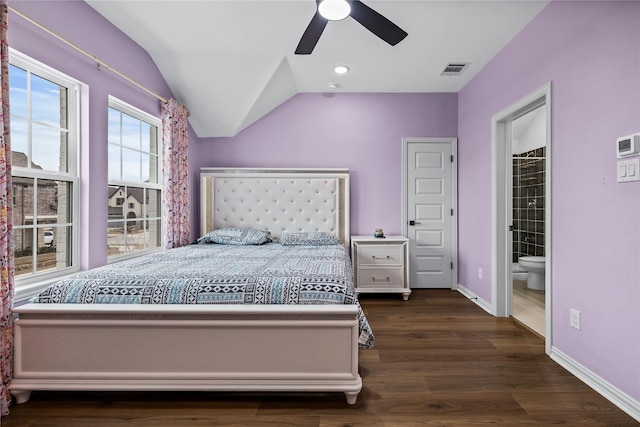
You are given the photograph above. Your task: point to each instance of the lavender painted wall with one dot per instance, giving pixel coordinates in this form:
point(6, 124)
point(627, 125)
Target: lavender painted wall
point(83, 26)
point(590, 51)
point(362, 132)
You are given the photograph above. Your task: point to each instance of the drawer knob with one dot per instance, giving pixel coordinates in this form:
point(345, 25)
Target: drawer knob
point(387, 257)
point(385, 279)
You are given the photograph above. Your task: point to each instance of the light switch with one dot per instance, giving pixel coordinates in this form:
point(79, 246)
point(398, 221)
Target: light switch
point(622, 171)
point(629, 170)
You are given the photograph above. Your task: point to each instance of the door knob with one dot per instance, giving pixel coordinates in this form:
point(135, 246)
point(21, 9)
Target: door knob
point(413, 222)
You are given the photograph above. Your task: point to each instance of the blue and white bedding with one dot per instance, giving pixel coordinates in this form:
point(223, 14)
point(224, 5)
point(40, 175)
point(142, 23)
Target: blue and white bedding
point(220, 274)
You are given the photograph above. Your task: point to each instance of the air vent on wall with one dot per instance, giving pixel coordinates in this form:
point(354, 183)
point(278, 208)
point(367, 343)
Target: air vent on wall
point(454, 68)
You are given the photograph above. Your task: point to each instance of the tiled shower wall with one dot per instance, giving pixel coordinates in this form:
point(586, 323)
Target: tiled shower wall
point(528, 203)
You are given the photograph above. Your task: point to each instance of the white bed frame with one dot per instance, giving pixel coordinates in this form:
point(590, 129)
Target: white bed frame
point(207, 347)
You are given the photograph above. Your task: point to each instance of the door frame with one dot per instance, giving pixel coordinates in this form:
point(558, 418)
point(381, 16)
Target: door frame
point(453, 141)
point(502, 205)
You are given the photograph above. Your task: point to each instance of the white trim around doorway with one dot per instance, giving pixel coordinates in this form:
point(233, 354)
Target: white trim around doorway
point(501, 238)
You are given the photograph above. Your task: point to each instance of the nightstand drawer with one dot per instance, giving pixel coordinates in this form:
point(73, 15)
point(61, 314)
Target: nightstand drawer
point(380, 255)
point(381, 277)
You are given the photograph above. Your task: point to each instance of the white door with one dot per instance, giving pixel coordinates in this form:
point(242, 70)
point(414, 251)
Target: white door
point(430, 211)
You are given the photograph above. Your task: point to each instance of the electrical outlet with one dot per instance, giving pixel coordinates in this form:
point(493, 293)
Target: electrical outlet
point(574, 318)
point(479, 273)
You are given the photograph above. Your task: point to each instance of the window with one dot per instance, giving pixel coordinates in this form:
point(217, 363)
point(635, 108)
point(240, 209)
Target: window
point(135, 191)
point(44, 139)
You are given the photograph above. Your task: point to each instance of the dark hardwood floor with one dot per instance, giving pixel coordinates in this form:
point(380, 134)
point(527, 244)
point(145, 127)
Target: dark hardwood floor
point(439, 360)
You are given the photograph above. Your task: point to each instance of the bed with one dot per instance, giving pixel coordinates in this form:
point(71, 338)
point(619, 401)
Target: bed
point(222, 329)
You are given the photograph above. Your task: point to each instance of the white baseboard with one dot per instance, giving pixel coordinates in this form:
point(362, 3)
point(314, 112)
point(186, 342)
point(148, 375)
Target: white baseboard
point(622, 400)
point(519, 275)
point(475, 298)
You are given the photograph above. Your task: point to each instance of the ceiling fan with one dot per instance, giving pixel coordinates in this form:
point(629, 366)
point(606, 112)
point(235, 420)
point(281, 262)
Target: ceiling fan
point(369, 18)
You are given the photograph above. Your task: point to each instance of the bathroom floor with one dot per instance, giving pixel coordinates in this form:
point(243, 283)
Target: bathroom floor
point(528, 307)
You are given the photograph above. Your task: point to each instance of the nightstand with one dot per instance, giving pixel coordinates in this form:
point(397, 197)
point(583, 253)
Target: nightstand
point(380, 265)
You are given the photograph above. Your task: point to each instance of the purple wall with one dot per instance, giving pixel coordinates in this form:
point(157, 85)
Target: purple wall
point(83, 26)
point(590, 51)
point(362, 132)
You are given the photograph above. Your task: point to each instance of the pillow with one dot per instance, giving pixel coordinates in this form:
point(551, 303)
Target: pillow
point(237, 236)
point(309, 239)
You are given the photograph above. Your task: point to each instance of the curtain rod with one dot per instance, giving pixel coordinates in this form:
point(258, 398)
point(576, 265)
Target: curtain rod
point(84, 52)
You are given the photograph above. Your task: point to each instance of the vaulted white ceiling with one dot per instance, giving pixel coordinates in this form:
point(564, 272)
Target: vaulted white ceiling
point(232, 61)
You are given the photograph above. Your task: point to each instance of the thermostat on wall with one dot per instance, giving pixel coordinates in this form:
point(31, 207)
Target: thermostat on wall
point(628, 145)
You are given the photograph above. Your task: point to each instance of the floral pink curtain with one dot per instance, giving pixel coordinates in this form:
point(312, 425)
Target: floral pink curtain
point(6, 224)
point(175, 199)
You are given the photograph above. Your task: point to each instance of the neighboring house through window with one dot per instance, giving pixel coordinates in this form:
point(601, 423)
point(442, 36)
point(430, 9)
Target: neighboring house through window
point(134, 197)
point(44, 156)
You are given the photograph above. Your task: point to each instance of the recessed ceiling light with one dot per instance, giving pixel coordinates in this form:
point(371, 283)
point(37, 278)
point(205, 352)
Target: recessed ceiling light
point(341, 69)
point(333, 86)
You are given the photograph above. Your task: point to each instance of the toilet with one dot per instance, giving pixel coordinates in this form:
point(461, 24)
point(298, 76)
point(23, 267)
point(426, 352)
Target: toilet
point(535, 271)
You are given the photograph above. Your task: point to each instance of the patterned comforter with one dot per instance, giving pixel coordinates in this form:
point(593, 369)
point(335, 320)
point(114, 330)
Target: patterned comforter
point(220, 274)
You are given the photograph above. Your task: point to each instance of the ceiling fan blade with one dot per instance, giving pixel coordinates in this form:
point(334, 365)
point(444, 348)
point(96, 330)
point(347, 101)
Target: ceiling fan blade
point(311, 34)
point(376, 23)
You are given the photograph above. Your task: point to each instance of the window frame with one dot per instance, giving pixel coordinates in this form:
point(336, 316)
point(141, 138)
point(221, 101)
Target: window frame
point(28, 285)
point(151, 120)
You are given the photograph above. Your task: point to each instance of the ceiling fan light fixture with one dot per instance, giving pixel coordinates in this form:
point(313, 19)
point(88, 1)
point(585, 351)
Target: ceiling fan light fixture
point(334, 10)
point(331, 10)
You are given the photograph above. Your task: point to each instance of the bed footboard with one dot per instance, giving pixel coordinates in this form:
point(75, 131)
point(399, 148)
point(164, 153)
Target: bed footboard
point(192, 347)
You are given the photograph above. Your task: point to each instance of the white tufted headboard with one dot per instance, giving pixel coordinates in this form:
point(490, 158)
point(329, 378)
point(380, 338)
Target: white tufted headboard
point(277, 200)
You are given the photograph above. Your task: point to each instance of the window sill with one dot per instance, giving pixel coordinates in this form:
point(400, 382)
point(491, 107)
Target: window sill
point(29, 290)
point(118, 258)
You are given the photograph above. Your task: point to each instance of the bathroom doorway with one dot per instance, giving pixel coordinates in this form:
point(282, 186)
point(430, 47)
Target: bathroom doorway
point(507, 235)
point(528, 166)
